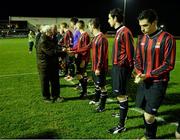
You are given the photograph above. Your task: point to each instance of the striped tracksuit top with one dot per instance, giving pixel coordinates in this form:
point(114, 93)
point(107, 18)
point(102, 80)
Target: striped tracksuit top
point(99, 45)
point(123, 49)
point(100, 53)
point(83, 41)
point(67, 40)
point(155, 55)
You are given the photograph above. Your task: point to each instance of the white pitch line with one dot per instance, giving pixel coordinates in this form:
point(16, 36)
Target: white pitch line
point(71, 82)
point(142, 112)
point(19, 74)
point(159, 119)
point(174, 123)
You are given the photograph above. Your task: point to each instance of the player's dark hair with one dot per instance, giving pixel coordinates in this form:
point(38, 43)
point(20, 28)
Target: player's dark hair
point(95, 22)
point(74, 20)
point(64, 25)
point(82, 24)
point(118, 13)
point(148, 14)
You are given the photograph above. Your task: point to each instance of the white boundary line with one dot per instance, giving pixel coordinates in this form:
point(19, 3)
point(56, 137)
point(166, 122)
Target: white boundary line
point(12, 75)
point(71, 82)
point(159, 119)
point(17, 74)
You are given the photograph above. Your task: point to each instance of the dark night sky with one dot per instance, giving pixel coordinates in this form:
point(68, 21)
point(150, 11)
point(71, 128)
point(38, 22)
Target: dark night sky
point(168, 11)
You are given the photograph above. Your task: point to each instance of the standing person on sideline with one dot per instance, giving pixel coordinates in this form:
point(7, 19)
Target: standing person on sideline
point(99, 46)
point(122, 65)
point(31, 39)
point(48, 66)
point(155, 58)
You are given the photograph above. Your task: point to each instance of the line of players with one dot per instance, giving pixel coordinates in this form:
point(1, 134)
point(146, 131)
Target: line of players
point(75, 49)
point(75, 46)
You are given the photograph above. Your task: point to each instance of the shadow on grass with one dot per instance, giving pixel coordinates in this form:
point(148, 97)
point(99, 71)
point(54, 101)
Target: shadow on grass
point(166, 136)
point(48, 134)
point(66, 85)
point(172, 84)
point(172, 115)
point(135, 127)
point(172, 99)
point(88, 97)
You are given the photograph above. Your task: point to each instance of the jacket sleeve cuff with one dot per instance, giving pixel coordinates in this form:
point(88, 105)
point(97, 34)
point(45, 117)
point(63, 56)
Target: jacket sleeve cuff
point(148, 75)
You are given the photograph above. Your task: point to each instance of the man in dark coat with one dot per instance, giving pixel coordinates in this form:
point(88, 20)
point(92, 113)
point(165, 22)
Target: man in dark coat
point(48, 66)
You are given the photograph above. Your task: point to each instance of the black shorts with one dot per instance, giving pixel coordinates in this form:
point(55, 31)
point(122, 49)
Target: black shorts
point(80, 70)
point(99, 80)
point(150, 96)
point(120, 78)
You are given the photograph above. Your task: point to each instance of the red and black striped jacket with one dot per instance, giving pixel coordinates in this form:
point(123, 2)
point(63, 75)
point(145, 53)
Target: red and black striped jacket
point(67, 40)
point(100, 53)
point(155, 55)
point(99, 45)
point(83, 41)
point(123, 50)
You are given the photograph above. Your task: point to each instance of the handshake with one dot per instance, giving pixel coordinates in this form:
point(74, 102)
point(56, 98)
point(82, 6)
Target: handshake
point(139, 78)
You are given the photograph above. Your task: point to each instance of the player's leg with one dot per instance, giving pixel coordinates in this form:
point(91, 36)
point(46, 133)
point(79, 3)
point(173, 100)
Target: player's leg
point(154, 95)
point(119, 89)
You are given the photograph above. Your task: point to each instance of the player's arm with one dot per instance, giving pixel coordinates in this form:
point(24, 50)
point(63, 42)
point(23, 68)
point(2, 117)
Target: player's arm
point(84, 49)
point(102, 49)
point(138, 59)
point(129, 48)
point(169, 59)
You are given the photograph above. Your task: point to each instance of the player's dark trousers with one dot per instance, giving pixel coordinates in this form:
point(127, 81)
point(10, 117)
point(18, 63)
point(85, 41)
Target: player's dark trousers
point(120, 79)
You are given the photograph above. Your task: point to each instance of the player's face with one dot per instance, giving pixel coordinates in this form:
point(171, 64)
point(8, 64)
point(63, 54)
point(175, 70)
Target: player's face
point(62, 28)
point(54, 29)
point(78, 26)
point(71, 24)
point(90, 28)
point(147, 27)
point(111, 21)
